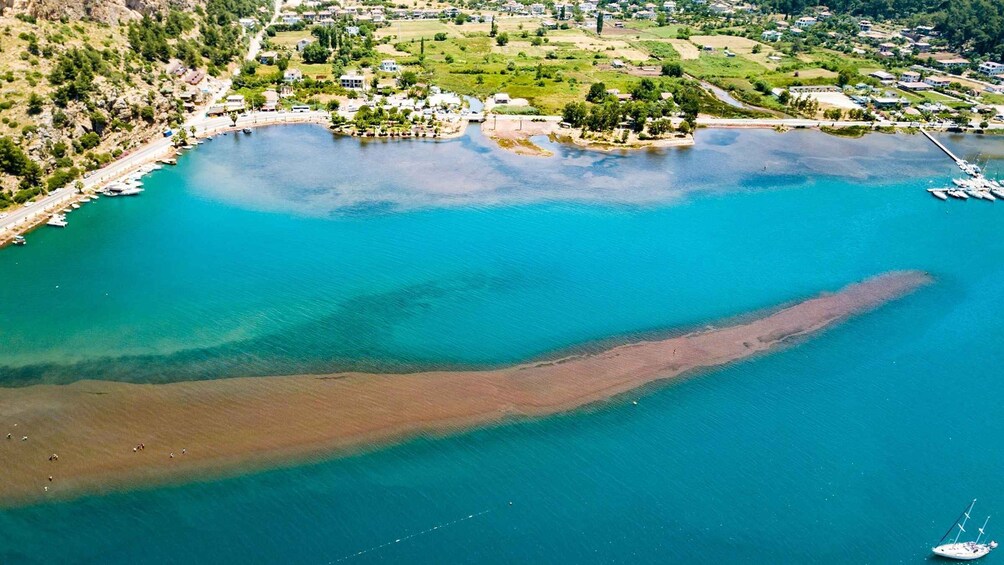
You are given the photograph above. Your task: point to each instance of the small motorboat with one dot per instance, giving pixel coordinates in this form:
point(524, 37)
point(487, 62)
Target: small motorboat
point(19, 240)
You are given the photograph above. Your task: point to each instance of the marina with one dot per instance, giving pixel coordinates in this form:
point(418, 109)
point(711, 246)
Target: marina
point(976, 184)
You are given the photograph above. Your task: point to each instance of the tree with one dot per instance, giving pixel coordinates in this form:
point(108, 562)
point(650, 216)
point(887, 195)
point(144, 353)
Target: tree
point(661, 20)
point(441, 36)
point(673, 69)
point(421, 46)
point(561, 14)
point(13, 160)
point(684, 127)
point(575, 113)
point(90, 140)
point(35, 104)
point(233, 118)
point(833, 114)
point(597, 93)
point(147, 113)
point(495, 29)
point(79, 185)
point(501, 39)
point(599, 23)
point(315, 54)
point(408, 79)
point(282, 63)
point(845, 77)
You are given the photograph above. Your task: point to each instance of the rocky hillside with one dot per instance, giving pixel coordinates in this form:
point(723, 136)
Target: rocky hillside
point(77, 93)
point(106, 11)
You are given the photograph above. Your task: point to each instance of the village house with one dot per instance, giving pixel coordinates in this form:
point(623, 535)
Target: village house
point(292, 75)
point(290, 18)
point(938, 82)
point(267, 57)
point(805, 22)
point(271, 101)
point(352, 80)
point(991, 68)
point(952, 62)
point(884, 77)
point(915, 86)
point(234, 103)
point(909, 76)
point(302, 44)
point(771, 35)
point(389, 66)
point(248, 23)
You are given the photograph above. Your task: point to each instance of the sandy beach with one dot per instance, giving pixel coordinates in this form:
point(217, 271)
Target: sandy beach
point(96, 436)
point(513, 133)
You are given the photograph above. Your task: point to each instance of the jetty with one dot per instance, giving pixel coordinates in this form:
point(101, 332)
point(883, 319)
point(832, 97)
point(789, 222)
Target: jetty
point(940, 145)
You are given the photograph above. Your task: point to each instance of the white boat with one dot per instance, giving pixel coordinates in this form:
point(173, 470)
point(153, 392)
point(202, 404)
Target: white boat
point(965, 550)
point(74, 205)
point(985, 195)
point(57, 220)
point(939, 194)
point(958, 194)
point(998, 192)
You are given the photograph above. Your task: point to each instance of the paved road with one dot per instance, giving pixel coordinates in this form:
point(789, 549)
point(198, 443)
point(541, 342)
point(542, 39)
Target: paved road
point(151, 151)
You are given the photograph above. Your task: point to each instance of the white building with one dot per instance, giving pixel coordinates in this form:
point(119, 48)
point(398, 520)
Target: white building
point(234, 103)
point(771, 35)
point(991, 69)
point(248, 23)
point(805, 22)
point(292, 75)
point(352, 81)
point(389, 66)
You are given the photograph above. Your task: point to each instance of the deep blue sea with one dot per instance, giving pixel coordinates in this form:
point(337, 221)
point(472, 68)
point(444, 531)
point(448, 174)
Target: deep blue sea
point(290, 251)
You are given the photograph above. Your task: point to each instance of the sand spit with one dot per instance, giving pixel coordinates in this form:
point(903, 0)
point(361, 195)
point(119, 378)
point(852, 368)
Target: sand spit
point(112, 435)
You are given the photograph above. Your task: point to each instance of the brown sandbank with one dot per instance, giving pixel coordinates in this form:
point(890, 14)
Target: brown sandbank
point(227, 426)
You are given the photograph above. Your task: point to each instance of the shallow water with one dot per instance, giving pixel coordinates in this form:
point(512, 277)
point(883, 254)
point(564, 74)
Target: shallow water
point(287, 252)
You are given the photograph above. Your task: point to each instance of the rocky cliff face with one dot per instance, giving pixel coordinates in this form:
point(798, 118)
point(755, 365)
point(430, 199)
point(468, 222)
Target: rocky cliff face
point(108, 11)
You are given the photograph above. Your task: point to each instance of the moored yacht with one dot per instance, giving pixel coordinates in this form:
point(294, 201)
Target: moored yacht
point(57, 220)
point(965, 550)
point(938, 193)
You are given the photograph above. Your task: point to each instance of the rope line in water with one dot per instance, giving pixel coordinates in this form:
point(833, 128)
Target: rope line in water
point(411, 536)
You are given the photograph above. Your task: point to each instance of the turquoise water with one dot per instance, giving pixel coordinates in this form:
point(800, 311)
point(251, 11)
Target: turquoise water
point(287, 251)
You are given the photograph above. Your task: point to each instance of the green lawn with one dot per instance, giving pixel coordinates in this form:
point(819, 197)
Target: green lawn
point(289, 38)
point(711, 65)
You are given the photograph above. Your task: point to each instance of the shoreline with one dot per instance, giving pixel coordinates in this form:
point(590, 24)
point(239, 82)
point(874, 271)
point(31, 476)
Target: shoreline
point(232, 426)
point(514, 140)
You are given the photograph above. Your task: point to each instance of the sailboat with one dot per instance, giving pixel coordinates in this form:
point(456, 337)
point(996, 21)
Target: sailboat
point(965, 550)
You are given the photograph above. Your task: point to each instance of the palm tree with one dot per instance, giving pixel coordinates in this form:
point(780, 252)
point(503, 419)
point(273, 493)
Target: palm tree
point(233, 118)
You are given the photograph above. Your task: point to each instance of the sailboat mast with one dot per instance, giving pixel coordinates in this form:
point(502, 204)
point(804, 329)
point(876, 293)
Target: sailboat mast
point(982, 528)
point(956, 523)
point(962, 526)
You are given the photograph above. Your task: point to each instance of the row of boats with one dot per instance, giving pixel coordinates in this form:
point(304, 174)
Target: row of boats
point(58, 220)
point(977, 185)
point(131, 186)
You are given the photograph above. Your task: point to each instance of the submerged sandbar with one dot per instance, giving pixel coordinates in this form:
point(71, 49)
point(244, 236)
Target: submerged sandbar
point(229, 425)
